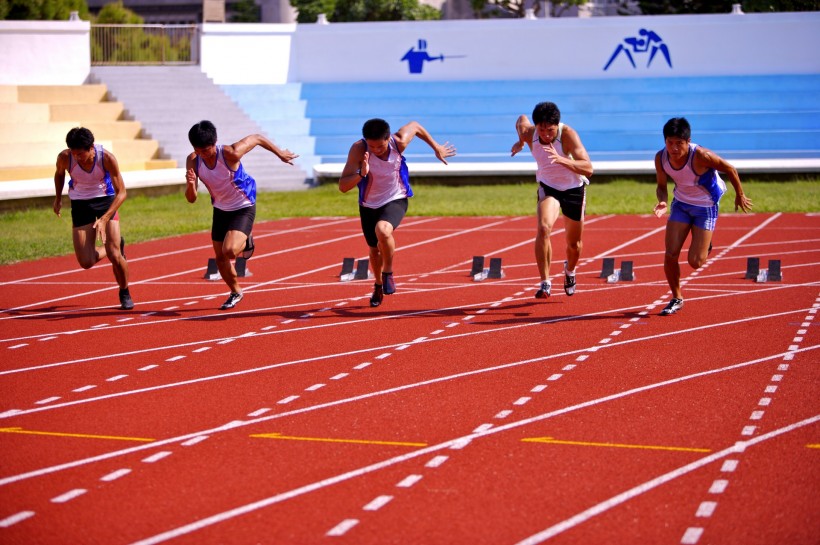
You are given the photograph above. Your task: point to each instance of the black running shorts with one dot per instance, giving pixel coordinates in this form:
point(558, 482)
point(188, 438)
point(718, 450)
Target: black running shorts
point(572, 201)
point(235, 220)
point(392, 212)
point(86, 212)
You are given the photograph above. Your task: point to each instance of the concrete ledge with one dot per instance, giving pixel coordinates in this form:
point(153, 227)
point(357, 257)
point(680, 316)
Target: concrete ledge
point(330, 172)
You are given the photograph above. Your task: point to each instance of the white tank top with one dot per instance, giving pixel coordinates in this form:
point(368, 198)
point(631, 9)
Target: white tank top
point(698, 190)
point(230, 190)
point(89, 184)
point(552, 174)
point(387, 181)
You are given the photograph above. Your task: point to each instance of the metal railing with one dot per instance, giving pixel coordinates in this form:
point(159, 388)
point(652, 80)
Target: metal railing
point(144, 44)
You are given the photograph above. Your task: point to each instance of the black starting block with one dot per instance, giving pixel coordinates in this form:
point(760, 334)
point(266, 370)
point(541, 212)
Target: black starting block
point(495, 268)
point(212, 271)
point(362, 268)
point(752, 268)
point(608, 267)
point(347, 266)
point(241, 266)
point(774, 271)
point(626, 271)
point(478, 265)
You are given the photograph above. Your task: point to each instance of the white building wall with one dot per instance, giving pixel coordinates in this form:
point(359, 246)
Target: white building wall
point(44, 52)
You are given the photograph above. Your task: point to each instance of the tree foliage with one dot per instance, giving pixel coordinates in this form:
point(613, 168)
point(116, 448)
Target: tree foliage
point(671, 7)
point(518, 8)
point(347, 11)
point(42, 10)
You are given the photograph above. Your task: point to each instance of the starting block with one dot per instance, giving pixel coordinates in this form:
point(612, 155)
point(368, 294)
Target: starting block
point(608, 267)
point(362, 269)
point(479, 272)
point(625, 273)
point(772, 274)
point(752, 268)
point(212, 271)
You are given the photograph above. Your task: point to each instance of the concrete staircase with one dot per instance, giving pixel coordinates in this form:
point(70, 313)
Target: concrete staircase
point(168, 100)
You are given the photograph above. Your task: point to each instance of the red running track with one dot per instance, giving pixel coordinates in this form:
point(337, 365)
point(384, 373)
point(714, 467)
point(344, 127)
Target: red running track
point(458, 412)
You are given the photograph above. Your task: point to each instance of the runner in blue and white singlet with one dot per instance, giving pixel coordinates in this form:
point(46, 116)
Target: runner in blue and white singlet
point(388, 179)
point(693, 188)
point(89, 184)
point(229, 189)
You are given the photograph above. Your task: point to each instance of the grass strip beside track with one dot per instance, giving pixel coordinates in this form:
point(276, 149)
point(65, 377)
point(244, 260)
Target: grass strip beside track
point(38, 233)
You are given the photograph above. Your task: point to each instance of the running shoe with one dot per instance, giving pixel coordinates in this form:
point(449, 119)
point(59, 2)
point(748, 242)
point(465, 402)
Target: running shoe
point(544, 292)
point(673, 306)
point(378, 295)
point(569, 281)
point(249, 247)
point(389, 283)
point(125, 300)
point(231, 301)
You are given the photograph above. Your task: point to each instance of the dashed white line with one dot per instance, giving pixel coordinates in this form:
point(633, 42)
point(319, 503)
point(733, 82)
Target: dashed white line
point(314, 387)
point(719, 486)
point(521, 400)
point(409, 481)
point(176, 358)
point(156, 457)
point(503, 414)
point(259, 412)
point(691, 536)
point(377, 503)
point(148, 367)
point(539, 388)
point(436, 461)
point(363, 365)
point(16, 346)
point(68, 496)
point(777, 378)
point(114, 475)
point(771, 389)
point(287, 400)
point(48, 338)
point(47, 400)
point(14, 519)
point(343, 527)
point(194, 441)
point(203, 349)
point(706, 509)
point(783, 367)
point(436, 332)
point(382, 356)
point(115, 378)
point(568, 368)
point(764, 401)
point(748, 430)
point(84, 388)
point(757, 415)
point(483, 428)
point(555, 376)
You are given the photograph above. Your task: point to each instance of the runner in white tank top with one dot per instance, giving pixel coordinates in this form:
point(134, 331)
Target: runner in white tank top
point(233, 195)
point(563, 167)
point(96, 191)
point(376, 166)
point(698, 189)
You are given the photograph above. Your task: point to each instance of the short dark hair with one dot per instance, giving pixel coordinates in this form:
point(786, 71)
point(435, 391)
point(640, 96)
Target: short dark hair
point(202, 134)
point(79, 138)
point(546, 112)
point(376, 129)
point(677, 127)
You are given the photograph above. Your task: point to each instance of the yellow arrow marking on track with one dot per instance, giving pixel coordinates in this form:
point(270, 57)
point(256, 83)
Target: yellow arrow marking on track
point(81, 435)
point(552, 441)
point(329, 440)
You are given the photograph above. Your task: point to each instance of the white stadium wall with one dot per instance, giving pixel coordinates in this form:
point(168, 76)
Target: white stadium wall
point(44, 52)
point(511, 49)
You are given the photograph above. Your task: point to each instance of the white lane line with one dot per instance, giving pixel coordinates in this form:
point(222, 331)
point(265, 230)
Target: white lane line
point(706, 509)
point(362, 365)
point(449, 444)
point(287, 400)
point(383, 356)
point(156, 457)
point(68, 496)
point(16, 346)
point(503, 414)
point(377, 503)
point(409, 481)
point(14, 519)
point(176, 358)
point(148, 367)
point(47, 400)
point(719, 486)
point(84, 388)
point(114, 475)
point(729, 466)
point(314, 387)
point(203, 349)
point(521, 401)
point(691, 536)
point(259, 412)
point(539, 388)
point(436, 461)
point(115, 378)
point(194, 441)
point(340, 376)
point(342, 528)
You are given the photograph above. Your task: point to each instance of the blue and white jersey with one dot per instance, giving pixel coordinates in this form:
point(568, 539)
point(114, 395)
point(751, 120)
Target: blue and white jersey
point(387, 181)
point(89, 184)
point(695, 189)
point(552, 174)
point(230, 190)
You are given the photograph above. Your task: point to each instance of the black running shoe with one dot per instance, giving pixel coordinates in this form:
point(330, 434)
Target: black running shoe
point(231, 301)
point(249, 247)
point(125, 300)
point(673, 306)
point(544, 292)
point(389, 283)
point(378, 295)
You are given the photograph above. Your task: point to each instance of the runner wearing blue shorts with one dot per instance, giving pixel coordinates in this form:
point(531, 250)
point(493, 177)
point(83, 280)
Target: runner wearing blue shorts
point(697, 193)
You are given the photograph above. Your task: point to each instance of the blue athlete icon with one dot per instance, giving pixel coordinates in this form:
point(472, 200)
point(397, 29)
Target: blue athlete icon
point(415, 58)
point(646, 41)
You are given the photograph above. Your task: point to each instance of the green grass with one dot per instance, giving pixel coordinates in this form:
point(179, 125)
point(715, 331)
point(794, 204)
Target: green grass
point(37, 233)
